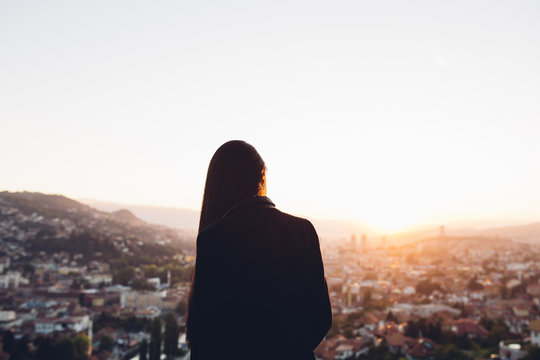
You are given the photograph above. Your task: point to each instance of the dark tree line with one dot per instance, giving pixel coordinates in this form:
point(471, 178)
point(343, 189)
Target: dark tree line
point(46, 348)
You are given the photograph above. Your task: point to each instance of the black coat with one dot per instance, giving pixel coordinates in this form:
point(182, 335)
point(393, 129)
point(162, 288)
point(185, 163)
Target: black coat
point(259, 289)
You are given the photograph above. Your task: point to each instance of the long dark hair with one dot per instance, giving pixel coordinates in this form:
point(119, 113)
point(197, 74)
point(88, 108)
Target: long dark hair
point(234, 175)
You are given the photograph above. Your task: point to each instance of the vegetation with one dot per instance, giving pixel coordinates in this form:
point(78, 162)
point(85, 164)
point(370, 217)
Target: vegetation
point(533, 354)
point(474, 285)
point(170, 337)
point(426, 287)
point(379, 353)
point(106, 343)
point(451, 352)
point(130, 324)
point(155, 339)
point(181, 308)
point(143, 350)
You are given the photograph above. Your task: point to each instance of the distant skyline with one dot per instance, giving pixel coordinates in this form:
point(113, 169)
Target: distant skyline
point(388, 114)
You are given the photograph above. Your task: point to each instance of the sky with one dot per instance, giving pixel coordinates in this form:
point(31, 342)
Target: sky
point(391, 114)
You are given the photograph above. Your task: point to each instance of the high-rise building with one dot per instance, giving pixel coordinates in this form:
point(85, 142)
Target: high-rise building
point(441, 231)
point(364, 242)
point(353, 242)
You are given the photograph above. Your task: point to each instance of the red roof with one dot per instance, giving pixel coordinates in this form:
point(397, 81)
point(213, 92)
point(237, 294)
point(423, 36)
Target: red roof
point(423, 349)
point(469, 327)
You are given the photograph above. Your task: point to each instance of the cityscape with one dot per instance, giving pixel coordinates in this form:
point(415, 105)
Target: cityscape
point(80, 283)
point(405, 132)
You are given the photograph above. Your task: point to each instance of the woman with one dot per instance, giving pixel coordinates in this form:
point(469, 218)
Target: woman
point(258, 290)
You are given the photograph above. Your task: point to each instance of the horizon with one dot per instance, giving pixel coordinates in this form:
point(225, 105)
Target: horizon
point(384, 114)
point(347, 227)
point(462, 225)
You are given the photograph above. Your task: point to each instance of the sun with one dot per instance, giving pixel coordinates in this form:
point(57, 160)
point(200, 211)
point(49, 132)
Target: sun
point(389, 220)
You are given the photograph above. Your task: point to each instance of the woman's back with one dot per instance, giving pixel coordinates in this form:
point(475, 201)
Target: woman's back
point(259, 290)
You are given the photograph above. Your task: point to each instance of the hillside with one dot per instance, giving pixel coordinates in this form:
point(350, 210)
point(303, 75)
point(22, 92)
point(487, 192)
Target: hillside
point(179, 218)
point(35, 222)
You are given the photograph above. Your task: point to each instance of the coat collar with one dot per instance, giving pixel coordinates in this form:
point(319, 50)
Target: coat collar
point(257, 201)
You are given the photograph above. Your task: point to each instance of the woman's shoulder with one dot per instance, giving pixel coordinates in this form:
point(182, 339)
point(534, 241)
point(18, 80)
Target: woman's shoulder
point(266, 219)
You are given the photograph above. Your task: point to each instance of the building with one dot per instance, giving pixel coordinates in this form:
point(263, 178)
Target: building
point(10, 280)
point(535, 332)
point(75, 325)
point(140, 300)
point(364, 242)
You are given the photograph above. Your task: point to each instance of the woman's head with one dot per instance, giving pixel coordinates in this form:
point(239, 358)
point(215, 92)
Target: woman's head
point(236, 173)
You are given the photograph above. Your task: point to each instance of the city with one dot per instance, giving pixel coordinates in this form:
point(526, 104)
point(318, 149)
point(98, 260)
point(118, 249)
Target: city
point(96, 285)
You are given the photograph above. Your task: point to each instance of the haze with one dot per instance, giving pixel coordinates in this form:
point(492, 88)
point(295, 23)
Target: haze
point(387, 113)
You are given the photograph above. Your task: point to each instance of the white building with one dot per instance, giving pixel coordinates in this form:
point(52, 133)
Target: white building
point(141, 300)
point(76, 324)
point(409, 290)
point(98, 279)
point(8, 319)
point(10, 280)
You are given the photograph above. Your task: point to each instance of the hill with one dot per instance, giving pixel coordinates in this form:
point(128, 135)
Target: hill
point(34, 222)
point(179, 218)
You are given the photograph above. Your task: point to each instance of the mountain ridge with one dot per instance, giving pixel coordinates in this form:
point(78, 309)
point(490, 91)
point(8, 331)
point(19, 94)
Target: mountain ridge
point(52, 223)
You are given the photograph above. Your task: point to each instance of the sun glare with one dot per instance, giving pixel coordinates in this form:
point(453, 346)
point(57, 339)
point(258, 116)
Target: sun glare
point(389, 220)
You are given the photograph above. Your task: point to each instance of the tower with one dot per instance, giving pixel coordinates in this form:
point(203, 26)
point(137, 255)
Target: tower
point(364, 242)
point(353, 242)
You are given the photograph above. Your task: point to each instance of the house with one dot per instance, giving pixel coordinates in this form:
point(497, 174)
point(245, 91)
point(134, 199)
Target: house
point(350, 348)
point(140, 300)
point(77, 324)
point(423, 350)
point(8, 319)
point(370, 321)
point(534, 326)
point(399, 343)
point(341, 348)
point(149, 313)
point(469, 327)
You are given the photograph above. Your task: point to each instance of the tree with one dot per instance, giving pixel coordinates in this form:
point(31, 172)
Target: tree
point(533, 353)
point(426, 287)
point(155, 339)
point(181, 308)
point(81, 345)
point(143, 350)
point(412, 329)
point(20, 352)
point(391, 317)
point(450, 352)
point(433, 329)
point(106, 343)
point(505, 292)
point(124, 275)
point(44, 348)
point(170, 338)
point(463, 342)
point(474, 284)
point(366, 301)
point(64, 350)
point(8, 342)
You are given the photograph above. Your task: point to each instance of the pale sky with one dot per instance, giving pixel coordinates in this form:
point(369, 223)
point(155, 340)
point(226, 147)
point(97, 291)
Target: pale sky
point(389, 113)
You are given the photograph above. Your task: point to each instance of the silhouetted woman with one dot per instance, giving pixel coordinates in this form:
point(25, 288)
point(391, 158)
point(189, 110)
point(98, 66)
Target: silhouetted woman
point(258, 290)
